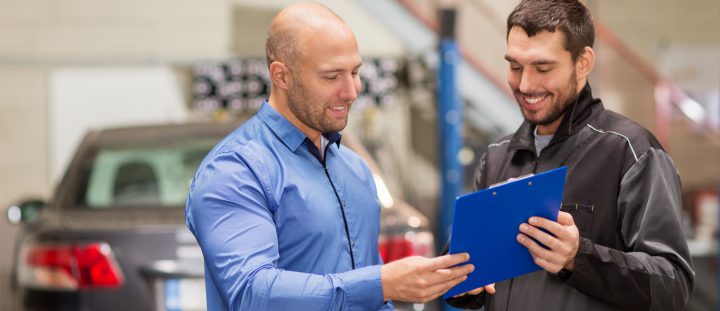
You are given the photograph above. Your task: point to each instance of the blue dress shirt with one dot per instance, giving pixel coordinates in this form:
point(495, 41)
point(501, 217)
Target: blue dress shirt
point(267, 215)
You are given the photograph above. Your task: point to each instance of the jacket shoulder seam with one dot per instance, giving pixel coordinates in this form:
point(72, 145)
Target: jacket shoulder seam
point(498, 144)
point(601, 131)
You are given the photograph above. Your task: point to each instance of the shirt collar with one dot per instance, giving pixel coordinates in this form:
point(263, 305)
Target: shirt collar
point(330, 138)
point(288, 133)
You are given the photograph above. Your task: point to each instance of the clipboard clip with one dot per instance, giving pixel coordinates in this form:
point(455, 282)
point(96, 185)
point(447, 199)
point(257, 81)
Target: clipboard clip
point(511, 179)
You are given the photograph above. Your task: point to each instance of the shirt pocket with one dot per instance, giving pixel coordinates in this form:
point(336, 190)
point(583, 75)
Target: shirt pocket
point(582, 216)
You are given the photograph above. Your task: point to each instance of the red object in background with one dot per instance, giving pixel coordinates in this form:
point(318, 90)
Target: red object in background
point(70, 266)
point(705, 214)
point(403, 245)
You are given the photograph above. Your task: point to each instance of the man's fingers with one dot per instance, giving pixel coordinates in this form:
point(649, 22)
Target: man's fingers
point(551, 263)
point(441, 288)
point(565, 219)
point(542, 236)
point(461, 270)
point(490, 289)
point(472, 292)
point(447, 261)
point(443, 275)
point(558, 245)
point(549, 266)
point(476, 291)
point(549, 225)
point(538, 251)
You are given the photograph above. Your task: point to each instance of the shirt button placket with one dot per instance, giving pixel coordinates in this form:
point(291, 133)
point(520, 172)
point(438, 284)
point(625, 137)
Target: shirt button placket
point(358, 261)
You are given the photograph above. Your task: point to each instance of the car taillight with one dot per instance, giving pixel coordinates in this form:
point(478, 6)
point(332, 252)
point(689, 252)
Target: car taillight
point(69, 266)
point(394, 247)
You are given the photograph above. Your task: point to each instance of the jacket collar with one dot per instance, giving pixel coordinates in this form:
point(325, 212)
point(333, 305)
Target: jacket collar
point(584, 109)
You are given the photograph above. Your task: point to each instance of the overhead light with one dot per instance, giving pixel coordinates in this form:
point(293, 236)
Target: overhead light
point(14, 214)
point(693, 110)
point(414, 222)
point(466, 156)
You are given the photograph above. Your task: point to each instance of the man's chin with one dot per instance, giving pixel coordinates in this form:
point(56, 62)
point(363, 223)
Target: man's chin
point(335, 128)
point(532, 119)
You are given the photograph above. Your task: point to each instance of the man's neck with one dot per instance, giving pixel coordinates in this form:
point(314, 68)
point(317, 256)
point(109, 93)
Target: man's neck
point(280, 105)
point(549, 129)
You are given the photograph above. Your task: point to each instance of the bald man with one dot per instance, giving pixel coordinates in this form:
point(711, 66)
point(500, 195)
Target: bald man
point(286, 217)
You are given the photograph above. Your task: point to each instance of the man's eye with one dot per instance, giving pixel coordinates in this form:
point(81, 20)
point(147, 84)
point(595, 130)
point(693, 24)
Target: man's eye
point(515, 69)
point(544, 70)
point(330, 78)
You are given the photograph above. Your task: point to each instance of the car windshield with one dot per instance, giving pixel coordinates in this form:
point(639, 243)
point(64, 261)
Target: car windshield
point(144, 176)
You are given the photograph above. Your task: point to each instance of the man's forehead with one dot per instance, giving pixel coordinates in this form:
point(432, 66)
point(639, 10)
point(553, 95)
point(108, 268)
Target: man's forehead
point(544, 46)
point(331, 49)
point(543, 37)
point(336, 63)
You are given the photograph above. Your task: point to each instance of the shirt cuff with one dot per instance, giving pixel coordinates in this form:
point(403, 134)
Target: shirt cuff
point(363, 288)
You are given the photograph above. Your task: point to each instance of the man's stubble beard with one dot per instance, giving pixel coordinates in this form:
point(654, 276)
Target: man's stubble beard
point(557, 111)
point(308, 111)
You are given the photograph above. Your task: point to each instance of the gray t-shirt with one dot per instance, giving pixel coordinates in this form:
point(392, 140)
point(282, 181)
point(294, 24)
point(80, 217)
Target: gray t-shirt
point(541, 141)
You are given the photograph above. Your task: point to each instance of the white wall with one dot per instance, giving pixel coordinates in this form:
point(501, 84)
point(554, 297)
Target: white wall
point(23, 152)
point(54, 40)
point(112, 30)
point(373, 39)
point(89, 98)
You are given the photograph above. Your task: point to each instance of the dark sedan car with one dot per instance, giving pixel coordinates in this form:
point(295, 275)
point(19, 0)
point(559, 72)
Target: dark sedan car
point(113, 236)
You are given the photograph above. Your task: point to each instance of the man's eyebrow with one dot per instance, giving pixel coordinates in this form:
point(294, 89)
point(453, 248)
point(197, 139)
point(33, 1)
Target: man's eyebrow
point(535, 63)
point(544, 62)
point(332, 71)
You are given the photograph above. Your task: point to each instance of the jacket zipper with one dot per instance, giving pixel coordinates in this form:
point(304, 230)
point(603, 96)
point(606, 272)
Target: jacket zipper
point(342, 208)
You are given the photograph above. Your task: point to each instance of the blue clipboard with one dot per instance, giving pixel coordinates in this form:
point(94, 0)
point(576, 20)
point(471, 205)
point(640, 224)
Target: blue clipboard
point(486, 224)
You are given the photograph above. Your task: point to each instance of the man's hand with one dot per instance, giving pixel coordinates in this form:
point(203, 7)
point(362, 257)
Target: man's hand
point(490, 289)
point(563, 246)
point(420, 279)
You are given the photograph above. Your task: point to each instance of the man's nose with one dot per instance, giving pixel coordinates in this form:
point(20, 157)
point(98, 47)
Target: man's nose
point(350, 88)
point(527, 82)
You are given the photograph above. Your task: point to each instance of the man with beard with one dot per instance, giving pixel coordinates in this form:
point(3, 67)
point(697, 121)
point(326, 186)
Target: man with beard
point(618, 242)
point(286, 217)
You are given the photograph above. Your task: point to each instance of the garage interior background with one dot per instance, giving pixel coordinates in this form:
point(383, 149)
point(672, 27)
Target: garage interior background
point(70, 65)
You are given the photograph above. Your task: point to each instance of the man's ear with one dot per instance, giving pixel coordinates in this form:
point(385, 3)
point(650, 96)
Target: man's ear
point(280, 75)
point(585, 63)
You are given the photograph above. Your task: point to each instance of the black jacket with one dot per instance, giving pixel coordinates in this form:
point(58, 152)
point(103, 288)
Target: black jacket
point(623, 192)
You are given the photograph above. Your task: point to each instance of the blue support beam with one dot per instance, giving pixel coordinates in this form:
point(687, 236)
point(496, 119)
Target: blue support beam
point(450, 123)
point(450, 119)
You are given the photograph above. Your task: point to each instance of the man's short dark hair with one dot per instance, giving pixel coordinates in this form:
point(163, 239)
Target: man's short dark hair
point(570, 16)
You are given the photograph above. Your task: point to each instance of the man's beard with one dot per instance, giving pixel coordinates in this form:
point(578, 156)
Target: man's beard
point(566, 99)
point(306, 109)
